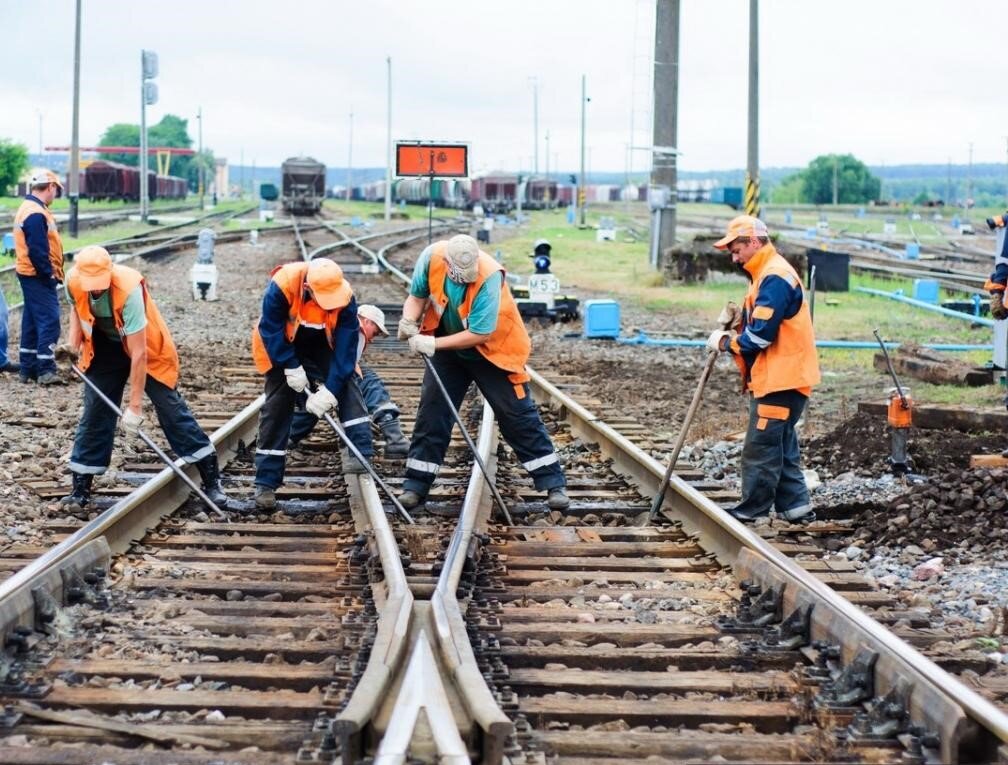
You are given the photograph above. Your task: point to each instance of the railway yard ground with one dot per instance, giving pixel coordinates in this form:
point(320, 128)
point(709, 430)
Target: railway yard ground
point(927, 559)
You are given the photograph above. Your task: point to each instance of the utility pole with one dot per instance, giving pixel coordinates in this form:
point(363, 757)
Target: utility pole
point(836, 184)
point(581, 184)
point(969, 178)
point(202, 176)
point(388, 149)
point(73, 182)
point(547, 192)
point(948, 182)
point(349, 161)
point(535, 124)
point(752, 196)
point(664, 175)
point(148, 97)
point(241, 182)
point(40, 150)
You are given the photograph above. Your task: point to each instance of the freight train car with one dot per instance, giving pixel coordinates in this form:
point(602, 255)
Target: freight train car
point(496, 193)
point(302, 185)
point(112, 180)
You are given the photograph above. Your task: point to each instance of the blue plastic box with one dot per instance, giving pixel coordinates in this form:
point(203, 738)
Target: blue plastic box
point(912, 251)
point(601, 318)
point(926, 290)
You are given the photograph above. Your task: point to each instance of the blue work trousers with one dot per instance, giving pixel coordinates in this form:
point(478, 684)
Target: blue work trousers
point(517, 418)
point(277, 416)
point(109, 370)
point(377, 401)
point(4, 358)
point(771, 469)
point(40, 325)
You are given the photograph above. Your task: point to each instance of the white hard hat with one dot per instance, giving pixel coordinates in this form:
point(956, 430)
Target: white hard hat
point(43, 177)
point(375, 314)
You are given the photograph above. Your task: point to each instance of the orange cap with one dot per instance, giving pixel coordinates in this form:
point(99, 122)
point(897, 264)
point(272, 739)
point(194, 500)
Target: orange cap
point(329, 288)
point(743, 225)
point(94, 267)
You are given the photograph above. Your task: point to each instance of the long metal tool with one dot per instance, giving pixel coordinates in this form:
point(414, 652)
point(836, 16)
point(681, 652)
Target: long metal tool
point(659, 498)
point(892, 372)
point(157, 449)
point(367, 465)
point(465, 434)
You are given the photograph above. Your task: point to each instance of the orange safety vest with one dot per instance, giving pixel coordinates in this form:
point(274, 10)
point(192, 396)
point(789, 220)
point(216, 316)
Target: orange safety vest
point(290, 278)
point(790, 361)
point(508, 346)
point(162, 358)
point(22, 263)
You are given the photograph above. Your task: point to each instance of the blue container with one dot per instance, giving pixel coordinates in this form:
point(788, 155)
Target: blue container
point(601, 318)
point(8, 242)
point(787, 217)
point(912, 251)
point(926, 290)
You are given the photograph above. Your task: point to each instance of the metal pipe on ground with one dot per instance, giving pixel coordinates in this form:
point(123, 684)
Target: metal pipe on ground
point(642, 338)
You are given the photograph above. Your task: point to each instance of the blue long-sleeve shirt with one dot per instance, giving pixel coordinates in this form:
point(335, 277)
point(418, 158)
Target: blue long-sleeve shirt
point(776, 301)
point(36, 233)
point(308, 341)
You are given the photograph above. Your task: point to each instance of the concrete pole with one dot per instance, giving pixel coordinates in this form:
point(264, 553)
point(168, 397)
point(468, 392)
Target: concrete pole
point(388, 158)
point(200, 167)
point(547, 192)
point(581, 182)
point(142, 164)
point(752, 194)
point(349, 162)
point(665, 127)
point(535, 124)
point(73, 186)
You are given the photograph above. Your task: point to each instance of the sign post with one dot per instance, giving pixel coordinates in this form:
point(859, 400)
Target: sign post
point(432, 160)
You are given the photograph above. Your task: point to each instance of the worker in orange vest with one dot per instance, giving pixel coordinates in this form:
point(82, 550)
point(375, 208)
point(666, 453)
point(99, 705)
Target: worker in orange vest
point(119, 335)
point(474, 334)
point(772, 342)
point(39, 267)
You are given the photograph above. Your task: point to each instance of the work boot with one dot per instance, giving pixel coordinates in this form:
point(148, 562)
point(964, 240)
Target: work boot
point(50, 378)
point(351, 465)
point(396, 444)
point(557, 499)
point(11, 366)
point(27, 377)
point(79, 498)
point(210, 473)
point(802, 517)
point(411, 499)
point(265, 498)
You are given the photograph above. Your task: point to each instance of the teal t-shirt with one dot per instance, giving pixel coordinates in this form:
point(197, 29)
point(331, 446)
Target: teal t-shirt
point(134, 314)
point(485, 307)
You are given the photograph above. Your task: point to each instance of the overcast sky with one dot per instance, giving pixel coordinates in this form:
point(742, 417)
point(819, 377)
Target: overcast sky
point(890, 81)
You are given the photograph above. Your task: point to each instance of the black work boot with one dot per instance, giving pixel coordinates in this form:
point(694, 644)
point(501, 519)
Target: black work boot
point(396, 444)
point(210, 473)
point(78, 500)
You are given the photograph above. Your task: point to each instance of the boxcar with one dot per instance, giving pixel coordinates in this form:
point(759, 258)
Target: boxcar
point(303, 185)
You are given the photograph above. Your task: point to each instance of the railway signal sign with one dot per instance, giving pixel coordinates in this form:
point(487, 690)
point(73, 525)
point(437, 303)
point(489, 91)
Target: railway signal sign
point(434, 160)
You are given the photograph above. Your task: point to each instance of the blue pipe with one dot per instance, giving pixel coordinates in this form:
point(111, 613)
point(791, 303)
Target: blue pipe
point(642, 338)
point(928, 306)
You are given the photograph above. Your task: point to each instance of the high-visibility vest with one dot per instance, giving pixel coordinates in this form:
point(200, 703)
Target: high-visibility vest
point(22, 263)
point(508, 346)
point(290, 278)
point(162, 357)
point(790, 361)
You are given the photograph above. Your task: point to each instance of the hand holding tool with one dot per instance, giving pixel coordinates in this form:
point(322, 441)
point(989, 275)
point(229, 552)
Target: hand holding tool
point(297, 378)
point(720, 339)
point(997, 306)
point(131, 422)
point(321, 401)
point(423, 344)
point(408, 328)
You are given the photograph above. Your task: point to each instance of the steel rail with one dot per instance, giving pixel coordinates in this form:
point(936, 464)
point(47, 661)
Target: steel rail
point(965, 720)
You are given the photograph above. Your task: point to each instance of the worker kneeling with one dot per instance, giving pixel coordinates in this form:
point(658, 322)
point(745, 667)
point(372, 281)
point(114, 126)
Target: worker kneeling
point(773, 345)
point(474, 333)
point(118, 332)
point(308, 331)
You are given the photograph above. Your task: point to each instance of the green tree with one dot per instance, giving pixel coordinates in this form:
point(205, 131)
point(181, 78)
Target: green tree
point(788, 191)
point(171, 131)
point(121, 134)
point(13, 163)
point(855, 184)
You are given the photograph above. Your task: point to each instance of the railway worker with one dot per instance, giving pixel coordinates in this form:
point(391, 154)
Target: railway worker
point(772, 343)
point(118, 332)
point(39, 267)
point(383, 411)
point(308, 330)
point(6, 365)
point(474, 333)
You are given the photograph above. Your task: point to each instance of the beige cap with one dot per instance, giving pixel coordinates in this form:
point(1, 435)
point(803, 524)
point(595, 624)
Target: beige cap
point(375, 314)
point(42, 177)
point(463, 258)
point(740, 226)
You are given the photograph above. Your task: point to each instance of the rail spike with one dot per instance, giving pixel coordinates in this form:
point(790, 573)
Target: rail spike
point(854, 684)
point(792, 633)
point(887, 716)
point(757, 609)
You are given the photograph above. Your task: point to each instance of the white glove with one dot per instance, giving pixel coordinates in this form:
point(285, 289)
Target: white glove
point(408, 328)
point(320, 402)
point(130, 422)
point(422, 344)
point(730, 315)
point(719, 340)
point(297, 379)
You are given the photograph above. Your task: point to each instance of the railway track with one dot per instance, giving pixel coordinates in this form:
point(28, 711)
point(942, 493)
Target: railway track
point(332, 631)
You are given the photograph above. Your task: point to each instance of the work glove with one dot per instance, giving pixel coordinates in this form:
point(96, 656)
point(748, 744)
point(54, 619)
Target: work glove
point(997, 306)
point(720, 339)
point(297, 379)
point(320, 402)
point(730, 315)
point(422, 344)
point(66, 352)
point(408, 328)
point(130, 422)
